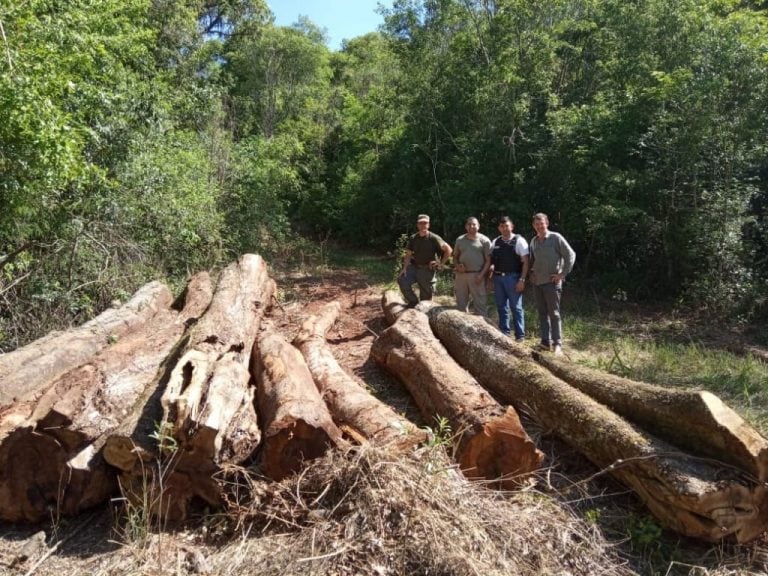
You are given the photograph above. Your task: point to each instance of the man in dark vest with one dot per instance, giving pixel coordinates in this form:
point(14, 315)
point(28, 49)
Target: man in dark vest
point(425, 254)
point(509, 268)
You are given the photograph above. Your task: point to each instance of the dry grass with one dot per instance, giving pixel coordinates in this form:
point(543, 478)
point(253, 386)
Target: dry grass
point(369, 513)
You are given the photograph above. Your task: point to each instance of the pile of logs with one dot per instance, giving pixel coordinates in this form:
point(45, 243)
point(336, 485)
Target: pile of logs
point(695, 463)
point(151, 400)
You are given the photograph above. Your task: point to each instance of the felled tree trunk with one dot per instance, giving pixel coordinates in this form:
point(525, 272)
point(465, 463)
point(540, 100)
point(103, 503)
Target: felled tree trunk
point(354, 410)
point(690, 495)
point(30, 369)
point(297, 424)
point(65, 427)
point(698, 421)
point(207, 415)
point(490, 440)
point(393, 305)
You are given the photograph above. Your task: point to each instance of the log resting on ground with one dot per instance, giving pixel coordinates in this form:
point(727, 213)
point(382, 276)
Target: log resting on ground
point(697, 421)
point(353, 408)
point(393, 305)
point(297, 424)
point(26, 372)
point(690, 495)
point(491, 442)
point(65, 427)
point(206, 407)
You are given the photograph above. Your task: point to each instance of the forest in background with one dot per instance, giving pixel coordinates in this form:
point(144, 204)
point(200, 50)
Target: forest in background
point(150, 138)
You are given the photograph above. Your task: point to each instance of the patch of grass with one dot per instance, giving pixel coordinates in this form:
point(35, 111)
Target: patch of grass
point(652, 353)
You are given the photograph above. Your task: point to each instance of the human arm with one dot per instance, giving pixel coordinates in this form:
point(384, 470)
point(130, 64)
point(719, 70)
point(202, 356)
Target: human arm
point(567, 257)
point(523, 274)
point(486, 262)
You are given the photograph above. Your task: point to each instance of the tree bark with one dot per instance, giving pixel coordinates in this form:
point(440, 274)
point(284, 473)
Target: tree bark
point(297, 424)
point(393, 305)
point(65, 427)
point(692, 496)
point(354, 410)
point(490, 440)
point(30, 369)
point(697, 421)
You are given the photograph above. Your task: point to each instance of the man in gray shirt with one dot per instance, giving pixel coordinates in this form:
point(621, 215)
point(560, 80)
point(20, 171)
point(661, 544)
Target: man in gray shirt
point(472, 259)
point(552, 258)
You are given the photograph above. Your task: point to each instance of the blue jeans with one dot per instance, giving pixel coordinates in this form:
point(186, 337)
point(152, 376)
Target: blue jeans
point(507, 297)
point(548, 303)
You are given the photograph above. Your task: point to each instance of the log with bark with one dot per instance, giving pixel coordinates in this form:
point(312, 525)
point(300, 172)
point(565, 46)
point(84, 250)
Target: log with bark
point(691, 495)
point(297, 424)
point(65, 427)
point(393, 305)
point(30, 369)
point(490, 440)
point(697, 421)
point(355, 411)
point(207, 417)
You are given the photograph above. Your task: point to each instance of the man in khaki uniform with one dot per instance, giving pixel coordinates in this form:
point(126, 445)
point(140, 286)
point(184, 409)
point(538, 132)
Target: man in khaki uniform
point(472, 259)
point(425, 254)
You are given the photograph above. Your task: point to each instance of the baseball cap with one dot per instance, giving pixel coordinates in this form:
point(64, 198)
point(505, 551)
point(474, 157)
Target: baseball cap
point(422, 218)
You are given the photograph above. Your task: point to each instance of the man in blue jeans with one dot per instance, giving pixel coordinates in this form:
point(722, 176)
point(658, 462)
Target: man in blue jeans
point(509, 268)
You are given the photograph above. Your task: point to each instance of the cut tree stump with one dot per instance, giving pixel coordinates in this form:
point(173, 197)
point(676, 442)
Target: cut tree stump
point(490, 440)
point(297, 424)
point(697, 421)
point(207, 414)
point(691, 495)
point(65, 427)
point(30, 369)
point(355, 411)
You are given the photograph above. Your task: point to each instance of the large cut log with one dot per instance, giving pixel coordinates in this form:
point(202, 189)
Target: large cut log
point(491, 442)
point(28, 370)
point(697, 421)
point(354, 409)
point(65, 427)
point(297, 424)
point(694, 496)
point(207, 412)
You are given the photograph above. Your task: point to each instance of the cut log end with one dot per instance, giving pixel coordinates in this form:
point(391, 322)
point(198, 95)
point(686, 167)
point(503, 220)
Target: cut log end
point(501, 452)
point(288, 449)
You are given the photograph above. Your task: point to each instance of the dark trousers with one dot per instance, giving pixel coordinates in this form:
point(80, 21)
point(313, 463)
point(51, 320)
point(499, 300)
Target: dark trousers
point(548, 304)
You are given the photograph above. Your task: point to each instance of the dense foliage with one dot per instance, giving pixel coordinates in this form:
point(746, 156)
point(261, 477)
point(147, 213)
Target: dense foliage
point(151, 137)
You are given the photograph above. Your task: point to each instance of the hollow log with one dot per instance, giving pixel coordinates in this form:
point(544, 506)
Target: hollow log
point(297, 424)
point(693, 496)
point(354, 410)
point(697, 421)
point(208, 397)
point(205, 408)
point(30, 369)
point(490, 440)
point(66, 426)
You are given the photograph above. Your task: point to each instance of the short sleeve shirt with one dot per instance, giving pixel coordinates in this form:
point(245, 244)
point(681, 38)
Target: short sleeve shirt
point(425, 248)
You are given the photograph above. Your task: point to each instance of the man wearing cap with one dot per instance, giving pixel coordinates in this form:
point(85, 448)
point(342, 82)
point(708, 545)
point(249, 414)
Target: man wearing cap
point(425, 253)
point(509, 268)
point(472, 259)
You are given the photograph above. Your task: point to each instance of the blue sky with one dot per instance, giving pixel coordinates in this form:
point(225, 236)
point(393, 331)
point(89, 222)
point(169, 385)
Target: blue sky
point(343, 19)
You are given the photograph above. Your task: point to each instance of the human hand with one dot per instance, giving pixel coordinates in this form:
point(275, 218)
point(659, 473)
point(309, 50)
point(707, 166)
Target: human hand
point(520, 286)
point(556, 278)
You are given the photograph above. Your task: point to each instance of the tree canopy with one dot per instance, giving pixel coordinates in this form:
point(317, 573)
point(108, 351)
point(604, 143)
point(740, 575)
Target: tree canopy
point(146, 137)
